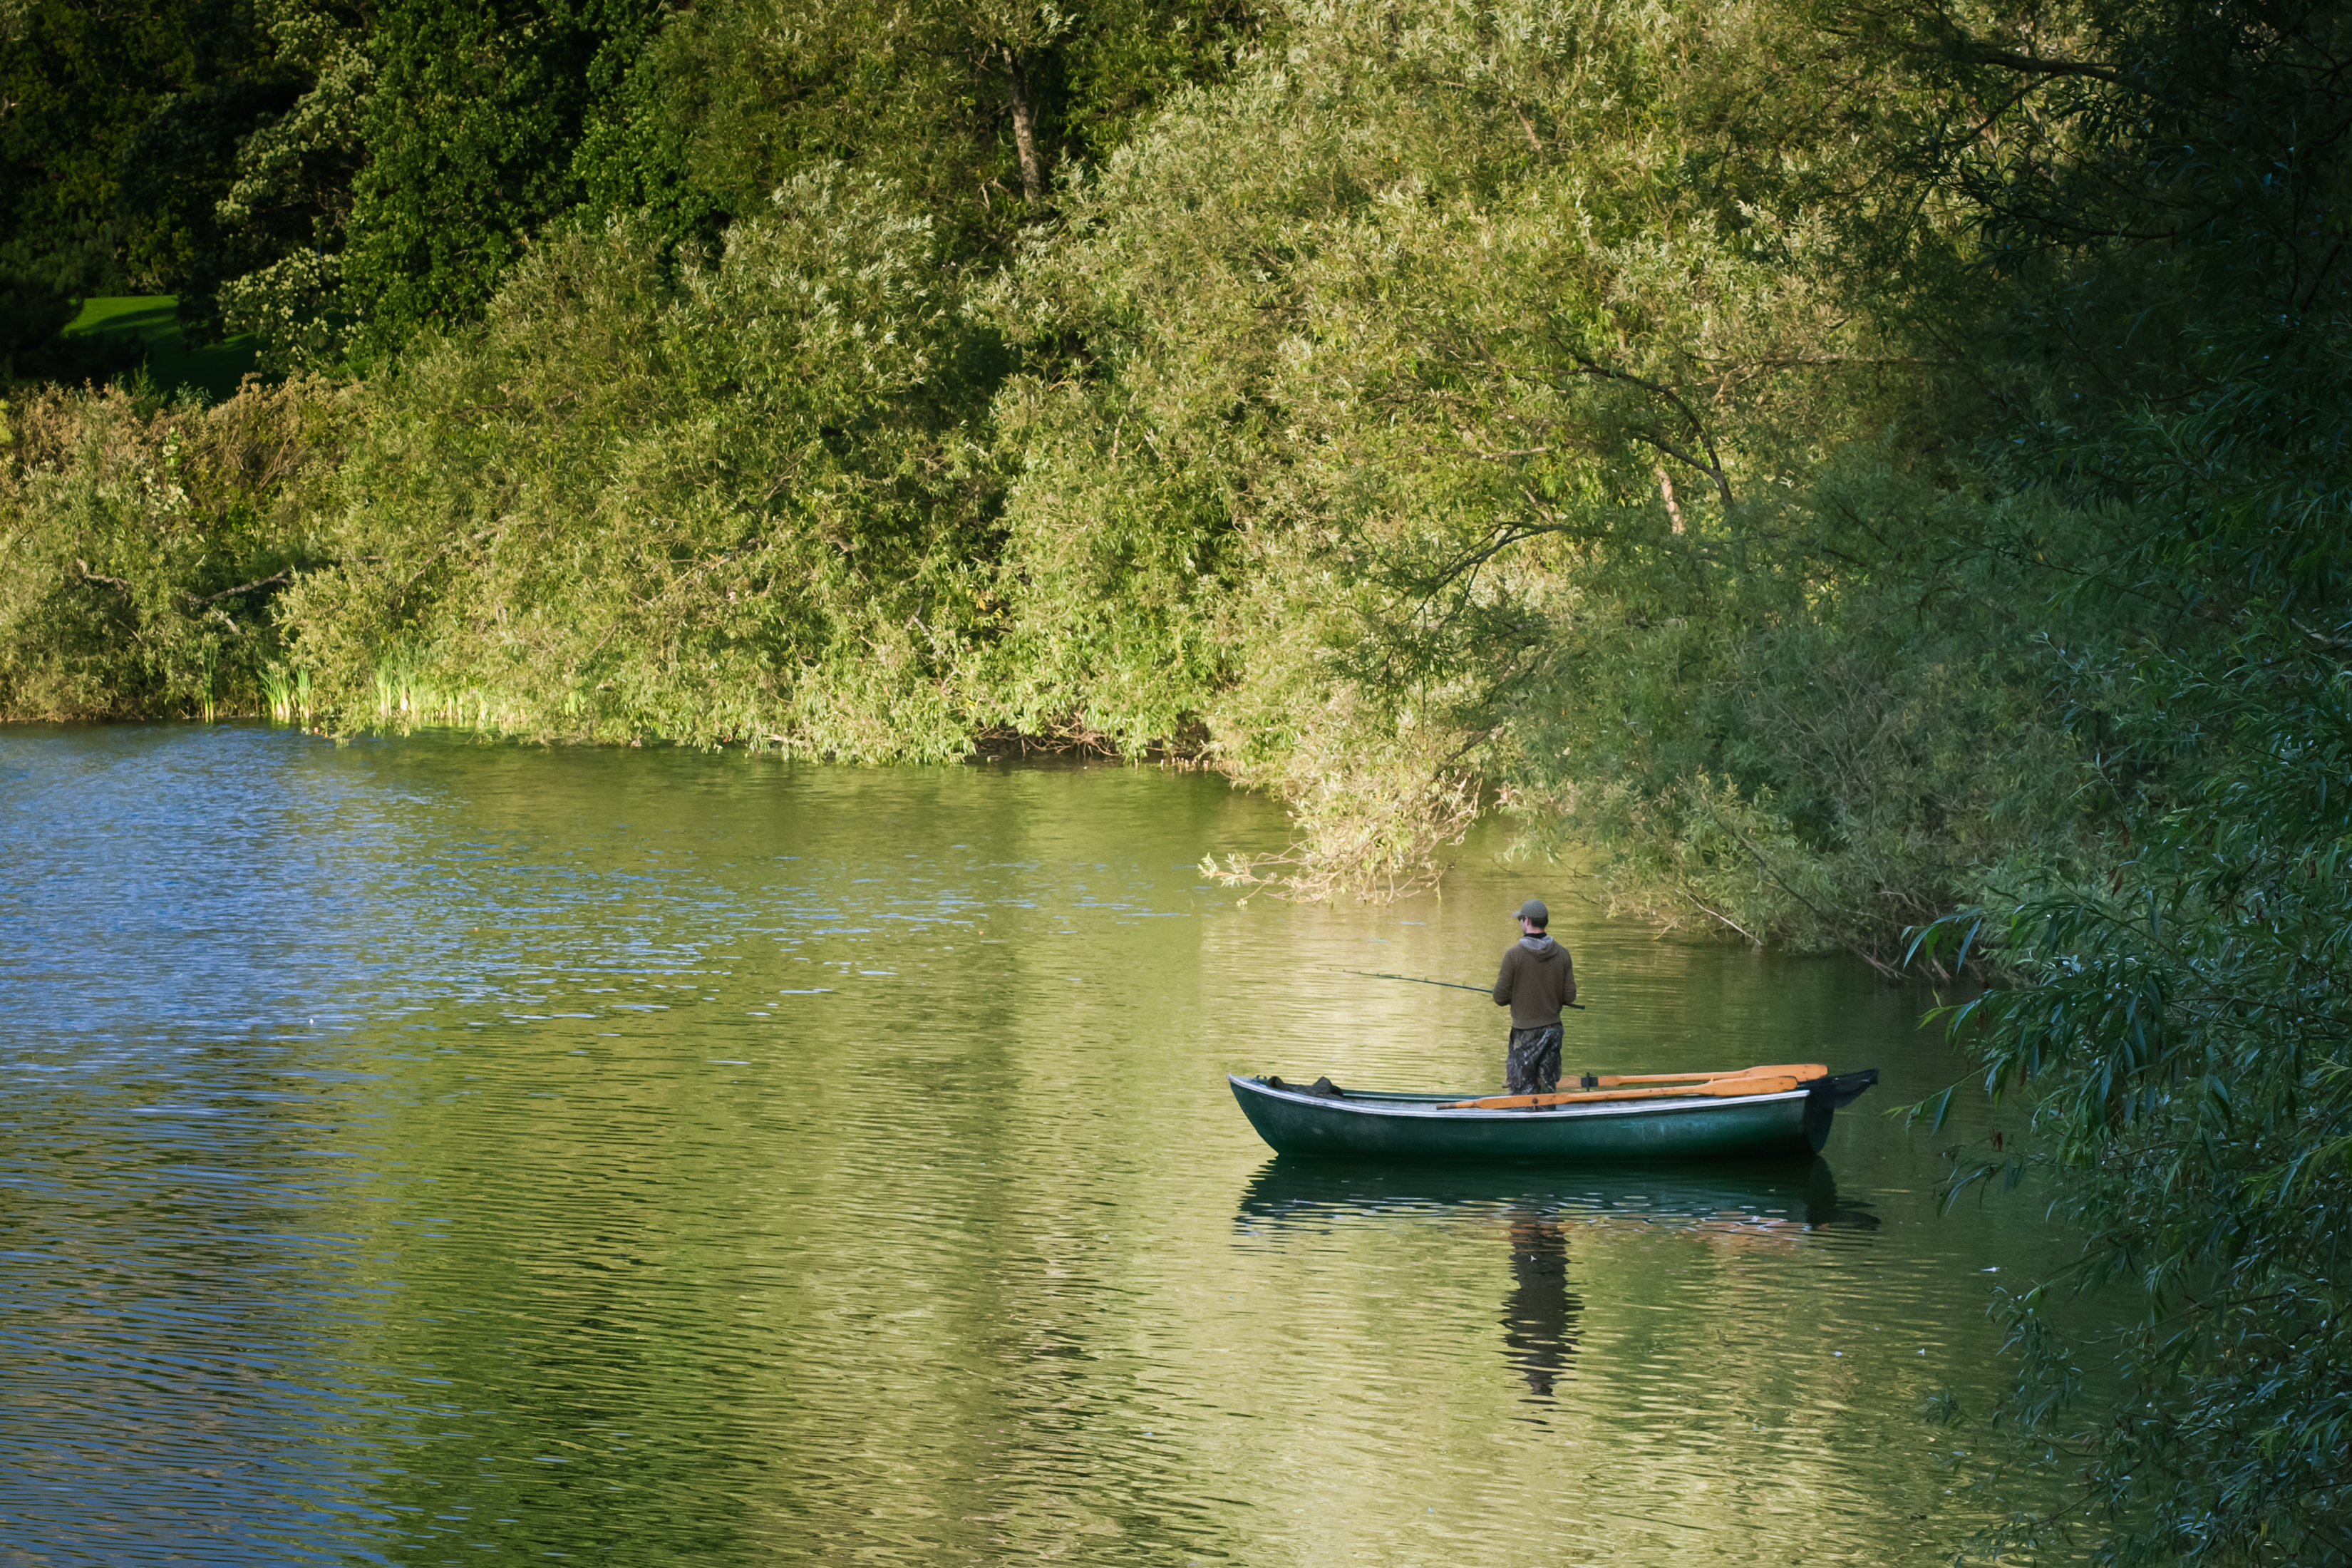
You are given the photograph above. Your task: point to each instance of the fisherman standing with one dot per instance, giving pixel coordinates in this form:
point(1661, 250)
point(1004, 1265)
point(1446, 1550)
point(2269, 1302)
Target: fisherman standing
point(1536, 980)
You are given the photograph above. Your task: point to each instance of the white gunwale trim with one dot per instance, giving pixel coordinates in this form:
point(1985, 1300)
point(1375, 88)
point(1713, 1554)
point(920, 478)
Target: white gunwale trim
point(1472, 1113)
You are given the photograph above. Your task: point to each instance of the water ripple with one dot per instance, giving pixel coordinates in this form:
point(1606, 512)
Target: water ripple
point(417, 1152)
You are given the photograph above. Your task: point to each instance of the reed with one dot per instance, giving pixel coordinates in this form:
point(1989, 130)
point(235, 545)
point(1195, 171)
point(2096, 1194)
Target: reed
point(286, 695)
point(407, 699)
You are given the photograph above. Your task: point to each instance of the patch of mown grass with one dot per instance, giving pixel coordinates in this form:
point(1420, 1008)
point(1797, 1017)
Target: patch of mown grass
point(153, 322)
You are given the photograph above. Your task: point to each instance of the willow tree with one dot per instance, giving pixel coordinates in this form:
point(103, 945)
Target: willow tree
point(1485, 396)
point(471, 128)
point(2163, 188)
point(733, 500)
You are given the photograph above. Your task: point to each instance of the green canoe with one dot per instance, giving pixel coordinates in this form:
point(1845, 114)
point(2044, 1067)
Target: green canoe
point(1328, 1121)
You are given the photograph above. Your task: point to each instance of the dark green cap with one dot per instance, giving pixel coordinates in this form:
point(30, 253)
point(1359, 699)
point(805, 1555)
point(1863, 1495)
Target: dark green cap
point(1533, 912)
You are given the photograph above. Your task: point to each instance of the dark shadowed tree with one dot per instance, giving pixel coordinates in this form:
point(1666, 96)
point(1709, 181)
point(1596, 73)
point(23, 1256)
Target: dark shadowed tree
point(2166, 188)
point(78, 84)
point(472, 130)
point(974, 109)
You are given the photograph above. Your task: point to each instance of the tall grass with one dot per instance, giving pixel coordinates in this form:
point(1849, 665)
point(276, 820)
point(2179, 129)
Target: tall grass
point(407, 696)
point(286, 695)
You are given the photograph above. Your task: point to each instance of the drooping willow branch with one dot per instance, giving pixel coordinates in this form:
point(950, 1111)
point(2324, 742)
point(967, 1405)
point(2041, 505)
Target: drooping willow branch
point(1711, 465)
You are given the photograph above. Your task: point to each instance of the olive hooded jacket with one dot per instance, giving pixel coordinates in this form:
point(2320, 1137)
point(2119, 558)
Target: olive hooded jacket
point(1536, 980)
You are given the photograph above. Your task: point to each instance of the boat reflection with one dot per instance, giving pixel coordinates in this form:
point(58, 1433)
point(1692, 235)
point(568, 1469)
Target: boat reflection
point(1738, 1209)
point(1767, 1201)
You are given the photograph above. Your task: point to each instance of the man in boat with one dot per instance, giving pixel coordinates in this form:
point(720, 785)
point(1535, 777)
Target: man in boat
point(1536, 980)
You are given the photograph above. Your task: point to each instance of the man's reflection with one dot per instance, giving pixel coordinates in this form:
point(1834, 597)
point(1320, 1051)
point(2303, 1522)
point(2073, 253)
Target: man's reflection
point(1823, 1207)
point(1537, 1315)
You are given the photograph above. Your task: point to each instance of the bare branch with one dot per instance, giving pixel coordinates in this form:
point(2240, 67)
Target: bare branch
point(242, 587)
point(1712, 467)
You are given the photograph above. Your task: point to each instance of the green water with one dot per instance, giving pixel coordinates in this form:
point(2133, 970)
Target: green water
point(420, 1152)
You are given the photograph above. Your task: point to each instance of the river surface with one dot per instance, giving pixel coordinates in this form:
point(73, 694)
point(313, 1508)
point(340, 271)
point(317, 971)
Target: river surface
point(425, 1151)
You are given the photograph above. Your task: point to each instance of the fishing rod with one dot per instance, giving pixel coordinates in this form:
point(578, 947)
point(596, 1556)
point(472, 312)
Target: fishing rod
point(1449, 985)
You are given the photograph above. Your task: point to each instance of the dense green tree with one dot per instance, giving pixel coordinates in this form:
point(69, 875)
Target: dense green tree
point(178, 167)
point(76, 83)
point(2164, 190)
point(127, 128)
point(281, 225)
point(336, 169)
point(472, 127)
point(2183, 1037)
point(1484, 395)
point(974, 109)
point(299, 168)
point(636, 150)
point(725, 499)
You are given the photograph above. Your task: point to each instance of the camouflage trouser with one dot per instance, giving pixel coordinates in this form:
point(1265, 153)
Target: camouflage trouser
point(1531, 1065)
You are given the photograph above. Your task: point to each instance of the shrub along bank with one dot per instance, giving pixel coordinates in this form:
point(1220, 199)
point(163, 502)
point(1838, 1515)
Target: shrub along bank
point(145, 546)
point(1451, 405)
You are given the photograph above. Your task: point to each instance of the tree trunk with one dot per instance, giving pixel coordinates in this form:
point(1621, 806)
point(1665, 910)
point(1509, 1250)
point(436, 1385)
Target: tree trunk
point(1024, 126)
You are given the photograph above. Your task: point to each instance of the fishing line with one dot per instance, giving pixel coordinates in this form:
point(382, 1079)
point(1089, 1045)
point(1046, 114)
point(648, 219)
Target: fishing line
point(1449, 985)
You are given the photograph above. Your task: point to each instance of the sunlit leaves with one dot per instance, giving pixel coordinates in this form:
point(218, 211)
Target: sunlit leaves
point(144, 549)
point(1437, 362)
point(735, 502)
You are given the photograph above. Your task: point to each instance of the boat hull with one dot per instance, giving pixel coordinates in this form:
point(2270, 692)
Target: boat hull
point(1299, 1122)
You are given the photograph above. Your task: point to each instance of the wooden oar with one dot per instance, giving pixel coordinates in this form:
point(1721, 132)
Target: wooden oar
point(1729, 1087)
point(1802, 1073)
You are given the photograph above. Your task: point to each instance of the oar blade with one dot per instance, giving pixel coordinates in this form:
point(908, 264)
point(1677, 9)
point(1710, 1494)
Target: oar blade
point(1733, 1087)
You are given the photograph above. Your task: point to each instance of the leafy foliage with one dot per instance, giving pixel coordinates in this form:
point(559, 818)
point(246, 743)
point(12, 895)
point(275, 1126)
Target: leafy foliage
point(470, 129)
point(2189, 1048)
point(283, 220)
point(2167, 185)
point(77, 85)
point(145, 547)
point(974, 110)
point(1437, 364)
point(734, 502)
